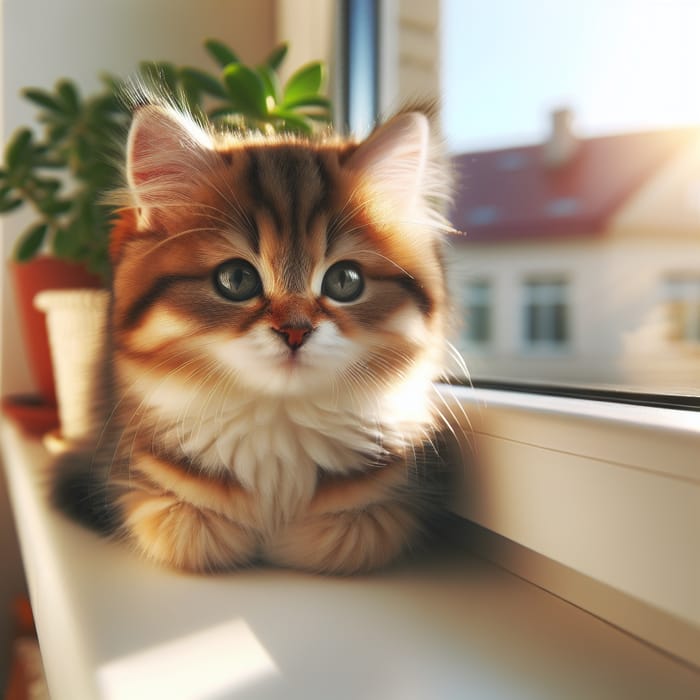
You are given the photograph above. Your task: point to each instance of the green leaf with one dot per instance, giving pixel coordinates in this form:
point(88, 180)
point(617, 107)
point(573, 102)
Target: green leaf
point(69, 96)
point(8, 205)
point(277, 56)
point(293, 121)
point(54, 207)
point(306, 81)
point(44, 159)
point(43, 99)
point(271, 82)
point(308, 101)
point(203, 81)
point(246, 89)
point(30, 242)
point(19, 149)
point(67, 242)
point(221, 53)
point(57, 132)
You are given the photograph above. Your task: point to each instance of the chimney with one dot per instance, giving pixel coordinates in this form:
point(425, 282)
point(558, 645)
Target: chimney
point(562, 144)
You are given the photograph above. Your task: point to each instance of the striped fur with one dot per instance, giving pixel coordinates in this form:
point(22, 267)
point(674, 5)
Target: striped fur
point(291, 426)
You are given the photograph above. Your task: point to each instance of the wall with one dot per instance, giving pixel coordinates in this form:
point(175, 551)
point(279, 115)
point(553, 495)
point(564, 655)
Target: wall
point(43, 40)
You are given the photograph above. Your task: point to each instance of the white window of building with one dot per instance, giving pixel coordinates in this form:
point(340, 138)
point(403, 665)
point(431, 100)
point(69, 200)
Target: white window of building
point(546, 313)
point(478, 312)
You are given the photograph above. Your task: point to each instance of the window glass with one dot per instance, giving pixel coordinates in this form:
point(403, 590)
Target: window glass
point(574, 129)
point(545, 314)
point(477, 312)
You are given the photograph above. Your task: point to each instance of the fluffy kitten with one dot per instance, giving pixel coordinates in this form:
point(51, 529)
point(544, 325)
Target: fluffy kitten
point(277, 319)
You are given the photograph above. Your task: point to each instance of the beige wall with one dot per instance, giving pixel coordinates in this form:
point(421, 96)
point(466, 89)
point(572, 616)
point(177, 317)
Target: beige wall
point(43, 40)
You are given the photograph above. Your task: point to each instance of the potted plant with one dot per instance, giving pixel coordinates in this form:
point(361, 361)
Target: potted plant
point(63, 172)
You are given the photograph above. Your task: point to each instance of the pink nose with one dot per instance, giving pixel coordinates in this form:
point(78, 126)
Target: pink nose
point(294, 336)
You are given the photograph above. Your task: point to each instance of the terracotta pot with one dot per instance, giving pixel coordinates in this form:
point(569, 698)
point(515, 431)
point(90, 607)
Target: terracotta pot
point(29, 279)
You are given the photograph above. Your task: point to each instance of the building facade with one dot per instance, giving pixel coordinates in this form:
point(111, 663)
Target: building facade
point(579, 260)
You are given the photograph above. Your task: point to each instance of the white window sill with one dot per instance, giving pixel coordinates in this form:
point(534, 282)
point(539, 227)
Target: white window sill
point(446, 625)
point(610, 491)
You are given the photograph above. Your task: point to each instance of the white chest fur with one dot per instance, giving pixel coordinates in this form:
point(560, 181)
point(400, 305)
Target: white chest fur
point(275, 445)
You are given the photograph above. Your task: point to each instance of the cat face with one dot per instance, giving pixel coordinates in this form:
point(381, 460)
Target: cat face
point(281, 266)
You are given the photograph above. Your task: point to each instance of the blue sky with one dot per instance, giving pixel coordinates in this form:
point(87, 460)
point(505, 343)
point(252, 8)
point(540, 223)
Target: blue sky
point(622, 65)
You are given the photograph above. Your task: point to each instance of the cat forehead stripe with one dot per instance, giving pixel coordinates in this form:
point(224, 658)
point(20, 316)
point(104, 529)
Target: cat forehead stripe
point(291, 183)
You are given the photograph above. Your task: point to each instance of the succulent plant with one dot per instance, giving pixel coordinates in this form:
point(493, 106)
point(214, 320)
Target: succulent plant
point(64, 173)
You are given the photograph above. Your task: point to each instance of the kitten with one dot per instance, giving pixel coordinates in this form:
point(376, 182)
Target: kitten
point(277, 319)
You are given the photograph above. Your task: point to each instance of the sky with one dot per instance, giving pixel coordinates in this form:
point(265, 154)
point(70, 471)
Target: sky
point(621, 65)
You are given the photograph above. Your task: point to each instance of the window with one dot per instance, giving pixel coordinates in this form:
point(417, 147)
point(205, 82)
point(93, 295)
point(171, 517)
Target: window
point(477, 312)
point(683, 296)
point(577, 149)
point(545, 313)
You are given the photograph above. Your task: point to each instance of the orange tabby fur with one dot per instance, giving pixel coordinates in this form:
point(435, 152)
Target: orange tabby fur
point(294, 426)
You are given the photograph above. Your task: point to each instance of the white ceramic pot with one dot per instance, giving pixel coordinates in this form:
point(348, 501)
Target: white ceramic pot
point(76, 322)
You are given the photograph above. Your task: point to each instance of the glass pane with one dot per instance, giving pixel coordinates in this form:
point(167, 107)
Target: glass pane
point(574, 129)
point(477, 312)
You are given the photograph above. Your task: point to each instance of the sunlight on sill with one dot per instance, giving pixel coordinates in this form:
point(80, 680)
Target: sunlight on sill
point(215, 662)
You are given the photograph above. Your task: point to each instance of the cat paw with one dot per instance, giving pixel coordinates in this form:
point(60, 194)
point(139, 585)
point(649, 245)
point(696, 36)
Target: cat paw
point(176, 534)
point(346, 542)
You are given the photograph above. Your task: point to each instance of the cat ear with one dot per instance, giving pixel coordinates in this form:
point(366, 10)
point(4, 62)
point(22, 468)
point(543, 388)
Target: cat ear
point(397, 165)
point(165, 150)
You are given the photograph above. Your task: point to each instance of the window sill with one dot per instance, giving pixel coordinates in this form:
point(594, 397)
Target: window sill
point(444, 625)
point(607, 490)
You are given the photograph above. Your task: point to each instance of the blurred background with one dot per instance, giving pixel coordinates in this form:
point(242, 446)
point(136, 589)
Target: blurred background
point(575, 131)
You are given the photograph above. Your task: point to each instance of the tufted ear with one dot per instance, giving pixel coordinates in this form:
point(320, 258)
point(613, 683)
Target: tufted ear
point(165, 150)
point(394, 162)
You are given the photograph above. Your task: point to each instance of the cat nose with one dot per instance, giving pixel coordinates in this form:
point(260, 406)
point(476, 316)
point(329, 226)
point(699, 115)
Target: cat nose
point(294, 336)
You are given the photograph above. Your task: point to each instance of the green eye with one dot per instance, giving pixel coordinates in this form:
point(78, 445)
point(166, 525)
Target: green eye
point(343, 282)
point(237, 280)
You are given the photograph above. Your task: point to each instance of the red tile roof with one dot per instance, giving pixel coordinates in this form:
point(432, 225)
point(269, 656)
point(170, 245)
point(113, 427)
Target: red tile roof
point(512, 194)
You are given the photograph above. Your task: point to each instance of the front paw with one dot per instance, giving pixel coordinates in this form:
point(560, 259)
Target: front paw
point(176, 534)
point(345, 542)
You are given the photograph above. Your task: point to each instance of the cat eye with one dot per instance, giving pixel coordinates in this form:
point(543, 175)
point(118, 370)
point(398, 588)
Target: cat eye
point(237, 280)
point(343, 282)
